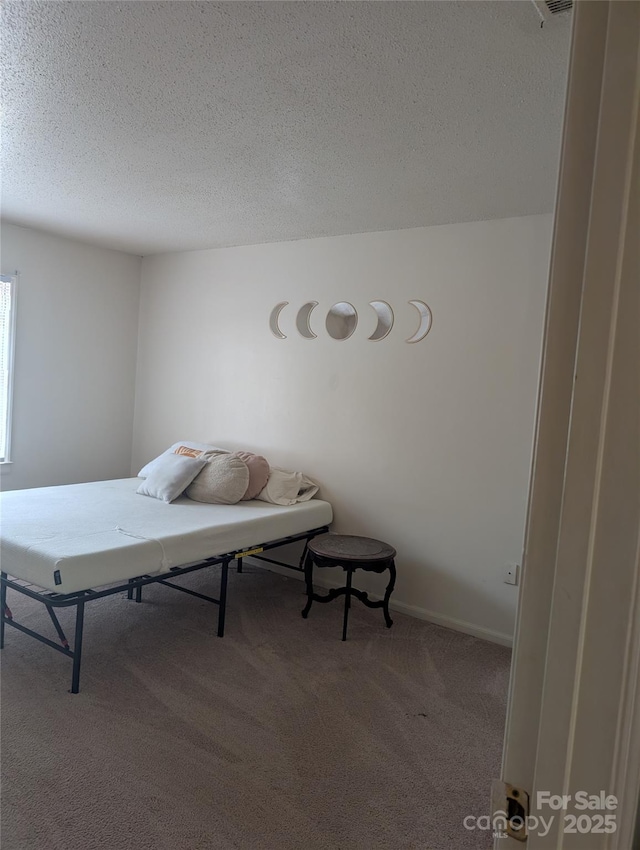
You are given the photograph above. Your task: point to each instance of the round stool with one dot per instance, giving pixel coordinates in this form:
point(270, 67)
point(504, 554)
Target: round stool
point(351, 553)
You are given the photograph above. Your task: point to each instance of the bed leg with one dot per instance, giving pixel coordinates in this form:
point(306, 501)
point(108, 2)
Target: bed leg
point(308, 577)
point(3, 606)
point(57, 627)
point(239, 565)
point(77, 648)
point(224, 575)
point(139, 593)
point(130, 589)
point(304, 554)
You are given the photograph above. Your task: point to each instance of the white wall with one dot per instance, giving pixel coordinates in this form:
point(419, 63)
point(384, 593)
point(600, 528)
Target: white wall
point(426, 446)
point(76, 339)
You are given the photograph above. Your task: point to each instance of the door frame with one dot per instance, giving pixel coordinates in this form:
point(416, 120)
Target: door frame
point(572, 720)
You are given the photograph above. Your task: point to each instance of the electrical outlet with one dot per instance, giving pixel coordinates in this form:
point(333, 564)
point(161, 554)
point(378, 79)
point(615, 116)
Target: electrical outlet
point(512, 574)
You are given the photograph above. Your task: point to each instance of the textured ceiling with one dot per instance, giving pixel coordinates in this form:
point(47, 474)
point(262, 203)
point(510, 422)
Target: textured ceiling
point(175, 125)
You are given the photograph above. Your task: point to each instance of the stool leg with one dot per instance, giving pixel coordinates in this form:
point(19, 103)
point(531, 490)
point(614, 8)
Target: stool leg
point(347, 605)
point(388, 592)
point(308, 577)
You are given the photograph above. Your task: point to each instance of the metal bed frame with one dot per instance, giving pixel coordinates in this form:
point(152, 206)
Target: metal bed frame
point(79, 598)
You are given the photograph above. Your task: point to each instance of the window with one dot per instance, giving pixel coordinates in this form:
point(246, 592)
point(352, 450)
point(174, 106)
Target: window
point(7, 333)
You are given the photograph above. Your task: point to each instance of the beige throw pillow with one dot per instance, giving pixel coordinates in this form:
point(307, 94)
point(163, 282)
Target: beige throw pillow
point(258, 473)
point(223, 481)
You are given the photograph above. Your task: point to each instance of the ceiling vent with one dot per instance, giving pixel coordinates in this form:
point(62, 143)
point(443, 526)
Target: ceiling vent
point(551, 8)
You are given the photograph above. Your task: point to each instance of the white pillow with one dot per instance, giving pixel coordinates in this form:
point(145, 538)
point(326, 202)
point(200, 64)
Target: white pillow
point(287, 488)
point(171, 476)
point(207, 450)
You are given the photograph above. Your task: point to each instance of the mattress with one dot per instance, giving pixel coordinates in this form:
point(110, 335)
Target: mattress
point(82, 536)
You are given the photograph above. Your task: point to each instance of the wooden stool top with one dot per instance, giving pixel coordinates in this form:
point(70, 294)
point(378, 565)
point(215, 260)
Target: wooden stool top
point(350, 547)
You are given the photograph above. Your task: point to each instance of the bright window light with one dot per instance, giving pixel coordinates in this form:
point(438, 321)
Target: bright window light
point(7, 334)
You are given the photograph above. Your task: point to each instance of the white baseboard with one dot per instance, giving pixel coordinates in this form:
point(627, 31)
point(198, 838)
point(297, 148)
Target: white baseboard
point(452, 623)
point(402, 607)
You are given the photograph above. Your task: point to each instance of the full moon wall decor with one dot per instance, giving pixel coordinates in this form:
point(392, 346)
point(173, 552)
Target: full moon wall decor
point(342, 320)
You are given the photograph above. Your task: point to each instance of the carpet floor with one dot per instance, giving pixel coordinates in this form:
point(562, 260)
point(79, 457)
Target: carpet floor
point(277, 737)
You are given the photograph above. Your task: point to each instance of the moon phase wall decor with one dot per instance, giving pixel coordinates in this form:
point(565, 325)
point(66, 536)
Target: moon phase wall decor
point(384, 315)
point(273, 320)
point(342, 320)
point(426, 319)
point(302, 320)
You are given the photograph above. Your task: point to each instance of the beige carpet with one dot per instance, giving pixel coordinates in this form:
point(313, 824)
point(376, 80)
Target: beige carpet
point(279, 736)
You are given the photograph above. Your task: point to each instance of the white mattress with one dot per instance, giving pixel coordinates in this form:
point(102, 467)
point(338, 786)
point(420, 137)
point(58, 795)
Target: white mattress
point(82, 536)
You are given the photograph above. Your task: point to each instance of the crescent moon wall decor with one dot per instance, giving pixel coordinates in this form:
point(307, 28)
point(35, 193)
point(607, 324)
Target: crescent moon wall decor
point(385, 320)
point(302, 320)
point(426, 320)
point(273, 320)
